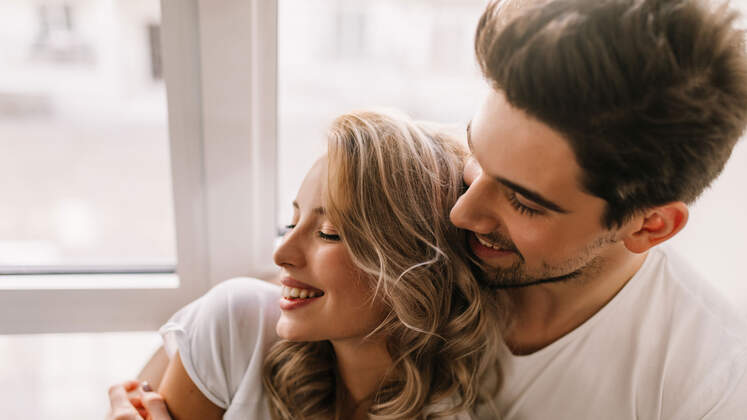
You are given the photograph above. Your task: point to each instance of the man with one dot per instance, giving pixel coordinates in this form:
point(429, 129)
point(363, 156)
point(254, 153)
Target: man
point(606, 118)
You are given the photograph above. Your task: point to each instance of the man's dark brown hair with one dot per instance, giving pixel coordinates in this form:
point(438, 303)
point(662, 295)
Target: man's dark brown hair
point(650, 94)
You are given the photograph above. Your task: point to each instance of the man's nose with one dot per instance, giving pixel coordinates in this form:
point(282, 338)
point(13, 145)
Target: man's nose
point(477, 208)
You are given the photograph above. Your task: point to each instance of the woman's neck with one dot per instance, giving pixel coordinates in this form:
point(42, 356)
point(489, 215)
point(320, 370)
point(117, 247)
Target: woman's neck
point(362, 365)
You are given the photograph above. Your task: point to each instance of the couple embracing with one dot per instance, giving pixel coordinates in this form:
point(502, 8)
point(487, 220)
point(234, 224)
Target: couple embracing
point(521, 277)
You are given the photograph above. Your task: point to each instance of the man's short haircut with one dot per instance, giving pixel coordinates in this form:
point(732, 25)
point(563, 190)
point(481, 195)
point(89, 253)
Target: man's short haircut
point(650, 94)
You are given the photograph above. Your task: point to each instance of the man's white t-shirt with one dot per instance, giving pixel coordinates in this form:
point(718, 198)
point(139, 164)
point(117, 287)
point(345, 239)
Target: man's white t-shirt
point(222, 339)
point(667, 346)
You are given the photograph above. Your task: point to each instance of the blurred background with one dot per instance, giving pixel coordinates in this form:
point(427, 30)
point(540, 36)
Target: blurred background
point(84, 153)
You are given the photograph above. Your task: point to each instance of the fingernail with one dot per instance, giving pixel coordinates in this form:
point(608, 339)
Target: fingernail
point(146, 387)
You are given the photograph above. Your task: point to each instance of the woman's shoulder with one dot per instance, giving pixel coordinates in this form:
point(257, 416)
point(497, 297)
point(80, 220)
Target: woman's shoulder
point(222, 336)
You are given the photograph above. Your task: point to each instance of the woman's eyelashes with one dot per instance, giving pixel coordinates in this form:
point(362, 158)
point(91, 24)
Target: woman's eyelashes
point(321, 234)
point(329, 236)
point(521, 208)
point(285, 229)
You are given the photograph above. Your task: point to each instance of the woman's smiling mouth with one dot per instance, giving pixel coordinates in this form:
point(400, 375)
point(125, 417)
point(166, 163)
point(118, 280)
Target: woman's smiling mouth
point(296, 294)
point(299, 293)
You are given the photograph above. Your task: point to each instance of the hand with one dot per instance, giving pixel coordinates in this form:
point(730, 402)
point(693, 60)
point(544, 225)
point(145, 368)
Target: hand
point(130, 402)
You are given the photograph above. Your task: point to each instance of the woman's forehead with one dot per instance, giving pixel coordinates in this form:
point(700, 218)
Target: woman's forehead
point(312, 188)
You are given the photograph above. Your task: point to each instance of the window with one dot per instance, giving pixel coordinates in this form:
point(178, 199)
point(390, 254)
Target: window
point(221, 178)
point(83, 128)
point(336, 56)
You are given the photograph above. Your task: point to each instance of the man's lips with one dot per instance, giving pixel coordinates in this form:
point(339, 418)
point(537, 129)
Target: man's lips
point(484, 251)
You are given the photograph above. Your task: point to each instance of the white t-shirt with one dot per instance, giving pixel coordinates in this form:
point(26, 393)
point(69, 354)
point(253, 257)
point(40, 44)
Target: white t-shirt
point(222, 339)
point(666, 347)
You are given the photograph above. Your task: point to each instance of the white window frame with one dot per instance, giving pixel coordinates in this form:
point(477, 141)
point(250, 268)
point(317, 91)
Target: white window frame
point(220, 69)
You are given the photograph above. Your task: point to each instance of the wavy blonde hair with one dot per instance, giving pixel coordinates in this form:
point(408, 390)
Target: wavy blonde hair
point(391, 185)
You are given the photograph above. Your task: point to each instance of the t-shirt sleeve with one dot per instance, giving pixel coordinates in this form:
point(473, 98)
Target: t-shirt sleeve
point(222, 337)
point(731, 402)
point(720, 395)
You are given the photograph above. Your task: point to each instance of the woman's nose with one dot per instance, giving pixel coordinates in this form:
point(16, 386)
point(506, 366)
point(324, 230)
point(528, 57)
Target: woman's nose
point(477, 208)
point(290, 252)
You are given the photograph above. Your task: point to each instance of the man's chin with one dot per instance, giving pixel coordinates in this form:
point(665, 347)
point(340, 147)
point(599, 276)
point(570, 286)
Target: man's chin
point(500, 279)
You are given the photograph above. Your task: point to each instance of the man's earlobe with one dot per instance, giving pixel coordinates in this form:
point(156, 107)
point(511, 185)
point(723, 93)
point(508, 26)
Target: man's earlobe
point(656, 226)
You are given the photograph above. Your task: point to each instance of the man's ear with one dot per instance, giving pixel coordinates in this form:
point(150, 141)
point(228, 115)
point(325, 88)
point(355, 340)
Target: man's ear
point(656, 225)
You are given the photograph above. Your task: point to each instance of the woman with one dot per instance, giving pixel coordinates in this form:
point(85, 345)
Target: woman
point(380, 315)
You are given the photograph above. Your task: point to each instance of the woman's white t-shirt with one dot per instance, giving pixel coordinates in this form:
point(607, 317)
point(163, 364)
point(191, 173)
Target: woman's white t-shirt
point(222, 339)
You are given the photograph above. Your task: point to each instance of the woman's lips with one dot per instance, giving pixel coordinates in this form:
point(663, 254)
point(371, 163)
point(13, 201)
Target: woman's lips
point(289, 304)
point(297, 294)
point(293, 283)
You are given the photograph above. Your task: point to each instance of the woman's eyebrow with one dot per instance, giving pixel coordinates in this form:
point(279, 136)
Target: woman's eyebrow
point(318, 210)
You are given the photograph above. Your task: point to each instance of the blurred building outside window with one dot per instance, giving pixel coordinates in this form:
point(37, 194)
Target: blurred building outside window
point(83, 128)
point(85, 176)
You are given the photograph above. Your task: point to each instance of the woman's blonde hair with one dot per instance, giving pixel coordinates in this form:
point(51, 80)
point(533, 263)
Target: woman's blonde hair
point(391, 185)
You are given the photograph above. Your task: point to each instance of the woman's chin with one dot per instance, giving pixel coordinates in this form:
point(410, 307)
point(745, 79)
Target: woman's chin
point(287, 330)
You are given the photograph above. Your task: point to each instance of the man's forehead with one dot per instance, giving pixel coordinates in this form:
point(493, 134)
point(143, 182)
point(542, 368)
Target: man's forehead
point(509, 144)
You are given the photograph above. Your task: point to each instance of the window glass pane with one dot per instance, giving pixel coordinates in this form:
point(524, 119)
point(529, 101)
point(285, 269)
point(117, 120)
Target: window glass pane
point(84, 168)
point(335, 56)
point(66, 376)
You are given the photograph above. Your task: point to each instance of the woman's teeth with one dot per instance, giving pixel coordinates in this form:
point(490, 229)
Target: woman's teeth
point(296, 293)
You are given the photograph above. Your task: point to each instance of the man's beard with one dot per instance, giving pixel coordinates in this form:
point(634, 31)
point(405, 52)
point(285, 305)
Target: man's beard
point(580, 266)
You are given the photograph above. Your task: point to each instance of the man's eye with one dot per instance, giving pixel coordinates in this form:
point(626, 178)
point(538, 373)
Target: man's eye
point(521, 208)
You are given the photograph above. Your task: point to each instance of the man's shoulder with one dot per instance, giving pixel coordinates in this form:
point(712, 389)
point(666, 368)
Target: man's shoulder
point(698, 341)
point(687, 303)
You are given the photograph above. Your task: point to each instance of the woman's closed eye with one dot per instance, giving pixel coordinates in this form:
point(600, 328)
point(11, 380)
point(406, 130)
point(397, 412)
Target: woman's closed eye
point(285, 229)
point(329, 236)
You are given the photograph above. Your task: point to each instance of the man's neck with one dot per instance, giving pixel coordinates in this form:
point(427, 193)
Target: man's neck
point(362, 366)
point(543, 313)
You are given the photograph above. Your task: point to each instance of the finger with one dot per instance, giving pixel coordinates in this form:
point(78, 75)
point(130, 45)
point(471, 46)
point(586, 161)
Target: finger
point(130, 385)
point(118, 398)
point(156, 406)
point(136, 402)
point(124, 415)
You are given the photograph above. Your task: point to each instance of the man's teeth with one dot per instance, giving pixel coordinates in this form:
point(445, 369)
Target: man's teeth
point(296, 293)
point(487, 243)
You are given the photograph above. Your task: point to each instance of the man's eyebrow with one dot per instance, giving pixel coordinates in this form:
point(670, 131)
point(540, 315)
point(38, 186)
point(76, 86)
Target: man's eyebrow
point(319, 210)
point(531, 195)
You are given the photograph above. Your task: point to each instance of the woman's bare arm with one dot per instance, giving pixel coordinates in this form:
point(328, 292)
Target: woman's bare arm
point(153, 371)
point(184, 400)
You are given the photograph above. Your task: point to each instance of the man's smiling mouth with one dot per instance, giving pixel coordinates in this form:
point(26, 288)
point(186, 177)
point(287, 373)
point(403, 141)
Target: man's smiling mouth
point(489, 244)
